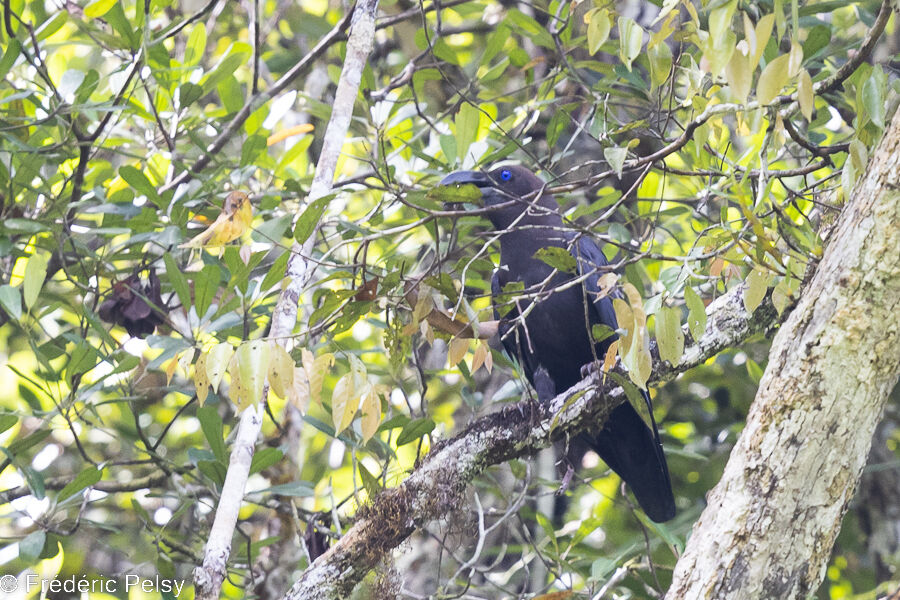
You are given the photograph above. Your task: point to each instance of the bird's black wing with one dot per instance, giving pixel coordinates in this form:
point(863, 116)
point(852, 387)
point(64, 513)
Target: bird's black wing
point(627, 444)
point(515, 348)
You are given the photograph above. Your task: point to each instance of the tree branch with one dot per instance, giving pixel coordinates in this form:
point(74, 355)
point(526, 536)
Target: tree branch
point(209, 576)
point(436, 486)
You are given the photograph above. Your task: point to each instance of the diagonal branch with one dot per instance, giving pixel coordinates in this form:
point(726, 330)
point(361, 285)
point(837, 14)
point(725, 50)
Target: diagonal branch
point(436, 486)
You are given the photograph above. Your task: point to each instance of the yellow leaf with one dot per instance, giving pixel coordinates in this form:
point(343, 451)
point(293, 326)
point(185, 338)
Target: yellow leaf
point(316, 369)
point(625, 319)
point(795, 59)
point(805, 94)
point(424, 305)
point(232, 223)
point(344, 403)
point(281, 371)
point(739, 75)
point(761, 35)
point(371, 413)
point(298, 392)
point(252, 365)
point(610, 359)
point(772, 80)
point(201, 381)
point(488, 357)
point(478, 359)
point(457, 350)
point(237, 392)
point(289, 132)
point(217, 363)
point(169, 368)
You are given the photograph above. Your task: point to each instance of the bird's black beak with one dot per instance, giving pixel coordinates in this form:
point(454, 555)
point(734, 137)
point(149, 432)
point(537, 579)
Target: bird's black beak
point(476, 178)
point(460, 194)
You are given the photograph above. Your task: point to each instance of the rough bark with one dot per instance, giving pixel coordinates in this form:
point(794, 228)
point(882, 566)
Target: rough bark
point(771, 522)
point(435, 488)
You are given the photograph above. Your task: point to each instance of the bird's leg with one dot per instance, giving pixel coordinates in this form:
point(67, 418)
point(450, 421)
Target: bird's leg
point(566, 479)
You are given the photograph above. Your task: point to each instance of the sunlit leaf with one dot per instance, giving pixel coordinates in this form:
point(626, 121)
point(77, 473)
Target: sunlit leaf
point(696, 313)
point(630, 40)
point(599, 27)
point(772, 80)
point(84, 479)
point(201, 380)
point(669, 337)
point(757, 283)
point(805, 94)
point(35, 273)
point(281, 371)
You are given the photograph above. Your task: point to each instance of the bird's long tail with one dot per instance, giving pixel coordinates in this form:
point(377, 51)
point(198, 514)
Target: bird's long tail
point(634, 452)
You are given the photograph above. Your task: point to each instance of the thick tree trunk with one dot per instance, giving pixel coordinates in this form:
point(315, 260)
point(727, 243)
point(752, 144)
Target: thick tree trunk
point(772, 520)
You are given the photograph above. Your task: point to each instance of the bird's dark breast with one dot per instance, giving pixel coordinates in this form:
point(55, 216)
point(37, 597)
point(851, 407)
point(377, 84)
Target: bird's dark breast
point(557, 337)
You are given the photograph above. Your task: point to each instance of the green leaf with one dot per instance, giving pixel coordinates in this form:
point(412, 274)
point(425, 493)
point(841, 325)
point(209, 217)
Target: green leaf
point(772, 80)
point(696, 314)
point(98, 8)
point(196, 45)
point(85, 479)
point(82, 360)
point(253, 148)
point(137, 180)
point(50, 26)
point(206, 284)
point(213, 431)
point(11, 301)
point(264, 459)
point(35, 274)
point(32, 545)
point(601, 333)
point(873, 100)
point(660, 58)
point(669, 336)
point(7, 420)
point(370, 482)
point(466, 128)
point(455, 194)
point(13, 49)
point(29, 441)
point(414, 430)
point(178, 281)
point(300, 489)
point(616, 159)
point(310, 218)
point(558, 258)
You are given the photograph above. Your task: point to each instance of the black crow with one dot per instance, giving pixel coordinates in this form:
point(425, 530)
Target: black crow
point(555, 341)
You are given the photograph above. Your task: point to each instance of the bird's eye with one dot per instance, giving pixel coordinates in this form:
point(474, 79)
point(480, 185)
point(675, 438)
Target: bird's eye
point(505, 174)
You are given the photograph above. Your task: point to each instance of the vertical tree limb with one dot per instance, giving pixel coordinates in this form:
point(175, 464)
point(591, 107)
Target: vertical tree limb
point(771, 522)
point(209, 576)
